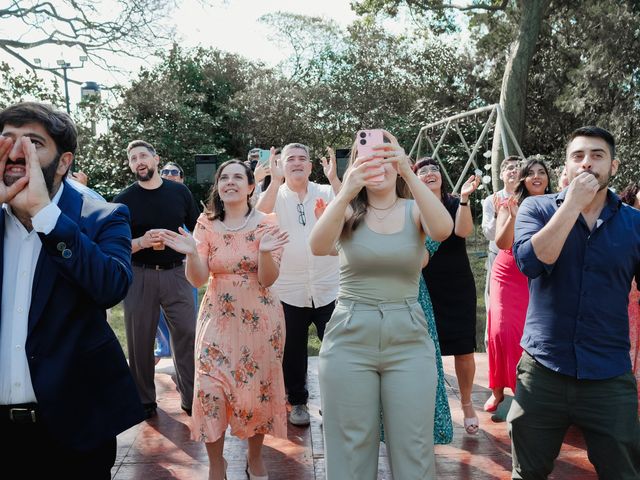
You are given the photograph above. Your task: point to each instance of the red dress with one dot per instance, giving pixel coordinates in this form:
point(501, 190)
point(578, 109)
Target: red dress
point(634, 333)
point(508, 303)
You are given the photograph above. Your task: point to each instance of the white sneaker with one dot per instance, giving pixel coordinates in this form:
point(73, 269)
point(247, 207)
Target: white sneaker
point(299, 415)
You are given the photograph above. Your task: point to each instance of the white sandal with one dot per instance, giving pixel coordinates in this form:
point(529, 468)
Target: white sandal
point(471, 424)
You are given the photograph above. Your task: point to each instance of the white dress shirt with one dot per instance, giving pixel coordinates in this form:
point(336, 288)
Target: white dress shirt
point(305, 280)
point(489, 219)
point(20, 256)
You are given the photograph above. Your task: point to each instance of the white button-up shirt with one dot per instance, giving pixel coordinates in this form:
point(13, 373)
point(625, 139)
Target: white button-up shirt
point(489, 219)
point(305, 280)
point(20, 256)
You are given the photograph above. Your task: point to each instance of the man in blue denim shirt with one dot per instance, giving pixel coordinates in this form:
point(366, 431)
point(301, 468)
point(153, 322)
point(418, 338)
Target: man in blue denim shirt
point(580, 249)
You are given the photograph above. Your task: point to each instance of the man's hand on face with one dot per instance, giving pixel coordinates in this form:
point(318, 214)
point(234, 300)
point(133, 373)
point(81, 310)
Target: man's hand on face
point(582, 190)
point(35, 196)
point(9, 187)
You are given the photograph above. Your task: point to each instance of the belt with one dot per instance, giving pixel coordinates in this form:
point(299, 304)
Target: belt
point(160, 266)
point(19, 413)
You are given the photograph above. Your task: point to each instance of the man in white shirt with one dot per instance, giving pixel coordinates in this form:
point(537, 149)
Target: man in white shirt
point(509, 176)
point(307, 285)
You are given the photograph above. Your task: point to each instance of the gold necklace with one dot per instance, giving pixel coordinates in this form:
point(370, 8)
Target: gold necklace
point(390, 209)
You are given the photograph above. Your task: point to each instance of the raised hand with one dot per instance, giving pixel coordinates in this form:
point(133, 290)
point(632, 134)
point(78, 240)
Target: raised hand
point(330, 167)
point(275, 166)
point(261, 172)
point(182, 242)
point(272, 239)
point(469, 187)
point(9, 187)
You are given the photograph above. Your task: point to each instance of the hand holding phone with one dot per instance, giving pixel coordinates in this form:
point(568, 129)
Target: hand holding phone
point(366, 140)
point(263, 156)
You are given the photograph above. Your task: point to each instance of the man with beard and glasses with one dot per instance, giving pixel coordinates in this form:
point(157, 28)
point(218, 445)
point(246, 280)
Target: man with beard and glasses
point(580, 249)
point(159, 280)
point(65, 388)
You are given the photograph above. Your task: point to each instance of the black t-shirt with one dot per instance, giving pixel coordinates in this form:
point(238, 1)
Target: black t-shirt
point(169, 206)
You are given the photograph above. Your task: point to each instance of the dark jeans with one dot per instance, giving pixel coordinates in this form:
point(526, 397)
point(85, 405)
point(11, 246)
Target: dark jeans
point(30, 449)
point(294, 364)
point(547, 403)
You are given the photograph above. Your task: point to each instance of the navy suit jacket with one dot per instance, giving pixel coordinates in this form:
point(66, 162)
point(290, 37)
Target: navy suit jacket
point(80, 376)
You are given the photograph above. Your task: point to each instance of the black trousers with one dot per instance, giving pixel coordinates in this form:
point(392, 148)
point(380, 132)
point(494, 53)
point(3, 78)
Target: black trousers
point(294, 364)
point(30, 450)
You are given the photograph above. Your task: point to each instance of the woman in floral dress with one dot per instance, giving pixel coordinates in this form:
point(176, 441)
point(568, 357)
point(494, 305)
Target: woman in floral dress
point(240, 334)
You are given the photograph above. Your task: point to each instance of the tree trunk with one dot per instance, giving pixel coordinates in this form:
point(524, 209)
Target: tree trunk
point(513, 94)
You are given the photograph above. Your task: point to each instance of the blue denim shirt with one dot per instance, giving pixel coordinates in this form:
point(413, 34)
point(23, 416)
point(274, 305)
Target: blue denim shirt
point(577, 322)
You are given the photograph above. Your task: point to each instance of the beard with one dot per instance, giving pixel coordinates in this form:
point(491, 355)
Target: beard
point(603, 181)
point(48, 172)
point(149, 175)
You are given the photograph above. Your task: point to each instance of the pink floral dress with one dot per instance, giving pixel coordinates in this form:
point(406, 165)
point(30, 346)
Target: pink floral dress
point(239, 340)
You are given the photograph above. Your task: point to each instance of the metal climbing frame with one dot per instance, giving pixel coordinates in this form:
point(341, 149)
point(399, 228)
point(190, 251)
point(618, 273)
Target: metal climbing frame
point(495, 113)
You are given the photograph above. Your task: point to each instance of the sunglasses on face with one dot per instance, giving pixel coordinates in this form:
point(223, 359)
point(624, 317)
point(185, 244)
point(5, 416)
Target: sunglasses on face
point(170, 172)
point(428, 169)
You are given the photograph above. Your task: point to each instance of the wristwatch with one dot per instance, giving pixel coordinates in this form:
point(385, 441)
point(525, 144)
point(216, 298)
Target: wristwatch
point(464, 204)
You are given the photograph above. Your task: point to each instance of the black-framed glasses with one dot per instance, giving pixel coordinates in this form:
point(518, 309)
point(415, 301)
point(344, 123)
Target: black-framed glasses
point(302, 218)
point(170, 171)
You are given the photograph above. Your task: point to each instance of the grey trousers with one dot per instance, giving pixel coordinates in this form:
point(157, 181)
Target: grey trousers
point(150, 291)
point(375, 356)
point(547, 402)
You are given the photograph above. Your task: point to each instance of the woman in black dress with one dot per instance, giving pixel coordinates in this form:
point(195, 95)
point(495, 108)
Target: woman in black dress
point(452, 288)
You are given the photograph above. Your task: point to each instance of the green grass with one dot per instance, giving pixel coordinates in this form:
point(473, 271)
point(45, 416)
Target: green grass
point(476, 249)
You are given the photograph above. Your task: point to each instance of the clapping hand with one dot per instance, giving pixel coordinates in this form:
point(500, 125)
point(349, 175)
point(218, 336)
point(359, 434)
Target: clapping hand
point(182, 242)
point(272, 239)
point(320, 207)
point(469, 187)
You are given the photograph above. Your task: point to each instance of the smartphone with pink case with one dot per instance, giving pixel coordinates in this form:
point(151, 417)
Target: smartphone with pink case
point(366, 140)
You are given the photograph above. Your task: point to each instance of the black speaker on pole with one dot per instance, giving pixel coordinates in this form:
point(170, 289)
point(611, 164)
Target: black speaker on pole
point(206, 165)
point(342, 159)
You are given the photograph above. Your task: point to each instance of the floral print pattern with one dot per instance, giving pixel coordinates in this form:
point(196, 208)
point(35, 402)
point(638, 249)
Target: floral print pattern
point(239, 341)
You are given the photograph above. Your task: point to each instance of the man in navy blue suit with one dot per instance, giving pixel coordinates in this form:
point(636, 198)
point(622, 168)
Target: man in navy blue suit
point(65, 388)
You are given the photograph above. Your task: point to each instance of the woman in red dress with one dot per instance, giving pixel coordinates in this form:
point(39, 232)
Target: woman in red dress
point(631, 196)
point(509, 289)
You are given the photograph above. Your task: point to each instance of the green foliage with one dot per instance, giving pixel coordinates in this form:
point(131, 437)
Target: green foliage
point(18, 87)
point(181, 107)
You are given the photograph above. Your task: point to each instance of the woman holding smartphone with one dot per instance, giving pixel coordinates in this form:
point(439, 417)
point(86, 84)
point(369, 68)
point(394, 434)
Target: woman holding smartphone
point(376, 351)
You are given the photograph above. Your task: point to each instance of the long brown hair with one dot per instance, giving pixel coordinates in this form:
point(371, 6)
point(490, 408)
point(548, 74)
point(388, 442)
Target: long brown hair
point(215, 206)
point(521, 191)
point(360, 202)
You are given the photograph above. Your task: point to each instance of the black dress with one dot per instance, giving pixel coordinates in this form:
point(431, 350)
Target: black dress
point(452, 288)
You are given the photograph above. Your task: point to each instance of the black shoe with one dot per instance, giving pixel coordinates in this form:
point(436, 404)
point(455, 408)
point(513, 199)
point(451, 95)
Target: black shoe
point(150, 410)
point(186, 410)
